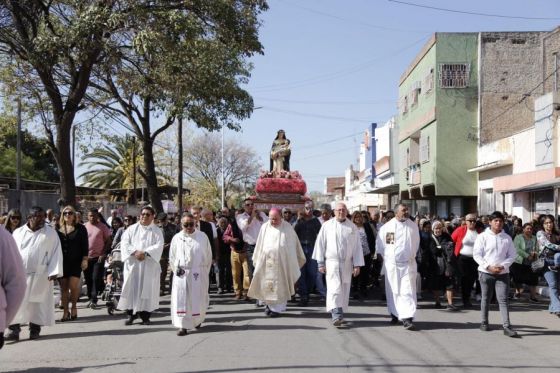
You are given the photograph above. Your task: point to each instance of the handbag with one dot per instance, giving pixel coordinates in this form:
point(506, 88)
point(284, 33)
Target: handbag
point(538, 265)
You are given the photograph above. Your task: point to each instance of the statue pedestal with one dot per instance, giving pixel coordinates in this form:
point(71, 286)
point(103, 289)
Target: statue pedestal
point(286, 189)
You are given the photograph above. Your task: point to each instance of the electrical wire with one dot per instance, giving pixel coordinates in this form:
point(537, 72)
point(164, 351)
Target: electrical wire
point(352, 21)
point(472, 13)
point(305, 102)
point(334, 75)
point(293, 112)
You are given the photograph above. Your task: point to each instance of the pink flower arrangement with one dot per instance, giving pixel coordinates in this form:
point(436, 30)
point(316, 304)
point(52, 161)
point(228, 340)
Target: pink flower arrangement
point(280, 175)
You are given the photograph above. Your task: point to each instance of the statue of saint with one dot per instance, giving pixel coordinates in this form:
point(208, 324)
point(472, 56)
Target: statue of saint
point(280, 153)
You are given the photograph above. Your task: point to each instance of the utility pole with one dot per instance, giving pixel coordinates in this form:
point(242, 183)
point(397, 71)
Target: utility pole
point(180, 165)
point(223, 186)
point(133, 200)
point(18, 159)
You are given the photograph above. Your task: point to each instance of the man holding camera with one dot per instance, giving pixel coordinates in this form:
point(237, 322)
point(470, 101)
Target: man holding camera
point(250, 223)
point(190, 257)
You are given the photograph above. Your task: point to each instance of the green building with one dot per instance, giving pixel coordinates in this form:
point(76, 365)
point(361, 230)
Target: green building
point(437, 121)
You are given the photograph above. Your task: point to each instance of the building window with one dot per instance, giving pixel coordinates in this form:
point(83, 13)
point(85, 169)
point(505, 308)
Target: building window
point(403, 105)
point(428, 81)
point(454, 75)
point(414, 93)
point(424, 149)
point(518, 41)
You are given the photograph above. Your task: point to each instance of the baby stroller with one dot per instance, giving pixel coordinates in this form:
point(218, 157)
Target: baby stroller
point(113, 288)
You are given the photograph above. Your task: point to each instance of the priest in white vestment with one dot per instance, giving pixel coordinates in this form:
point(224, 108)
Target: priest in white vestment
point(397, 243)
point(41, 252)
point(190, 257)
point(141, 249)
point(339, 255)
point(278, 258)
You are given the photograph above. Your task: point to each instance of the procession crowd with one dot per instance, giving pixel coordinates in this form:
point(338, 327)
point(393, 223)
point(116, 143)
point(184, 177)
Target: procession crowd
point(268, 259)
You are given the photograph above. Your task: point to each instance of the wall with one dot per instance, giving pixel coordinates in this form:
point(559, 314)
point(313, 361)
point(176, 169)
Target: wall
point(456, 112)
point(551, 45)
point(511, 67)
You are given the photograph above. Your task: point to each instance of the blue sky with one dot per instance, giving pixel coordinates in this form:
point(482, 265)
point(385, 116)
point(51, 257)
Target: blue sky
point(332, 67)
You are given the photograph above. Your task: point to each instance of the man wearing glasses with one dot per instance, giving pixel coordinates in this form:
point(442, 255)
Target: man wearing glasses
point(250, 223)
point(141, 248)
point(190, 257)
point(339, 256)
point(41, 252)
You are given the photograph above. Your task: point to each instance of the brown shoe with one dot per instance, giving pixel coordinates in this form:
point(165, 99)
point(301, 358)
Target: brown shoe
point(237, 296)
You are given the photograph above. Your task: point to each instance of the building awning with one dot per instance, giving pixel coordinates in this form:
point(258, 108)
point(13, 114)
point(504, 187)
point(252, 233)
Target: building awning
point(491, 165)
point(393, 188)
point(549, 184)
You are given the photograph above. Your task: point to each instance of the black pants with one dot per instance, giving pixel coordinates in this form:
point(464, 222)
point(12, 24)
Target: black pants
point(94, 278)
point(144, 315)
point(225, 281)
point(360, 283)
point(16, 328)
point(469, 274)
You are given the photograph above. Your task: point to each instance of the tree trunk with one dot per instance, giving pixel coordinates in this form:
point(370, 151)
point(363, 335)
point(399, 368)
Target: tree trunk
point(63, 159)
point(150, 167)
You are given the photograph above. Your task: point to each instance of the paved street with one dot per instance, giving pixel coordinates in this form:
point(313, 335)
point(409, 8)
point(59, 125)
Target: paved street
point(238, 338)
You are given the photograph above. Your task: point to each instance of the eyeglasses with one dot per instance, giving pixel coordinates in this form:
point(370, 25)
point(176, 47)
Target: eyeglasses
point(248, 204)
point(15, 217)
point(188, 225)
point(145, 214)
point(68, 213)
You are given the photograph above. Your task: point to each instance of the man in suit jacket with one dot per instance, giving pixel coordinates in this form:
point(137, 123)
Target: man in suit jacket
point(206, 228)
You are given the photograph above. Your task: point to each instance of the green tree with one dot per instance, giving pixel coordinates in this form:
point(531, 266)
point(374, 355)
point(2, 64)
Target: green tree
point(38, 162)
point(112, 165)
point(187, 59)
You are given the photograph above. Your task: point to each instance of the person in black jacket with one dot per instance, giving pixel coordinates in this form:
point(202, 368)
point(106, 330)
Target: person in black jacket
point(439, 265)
point(367, 240)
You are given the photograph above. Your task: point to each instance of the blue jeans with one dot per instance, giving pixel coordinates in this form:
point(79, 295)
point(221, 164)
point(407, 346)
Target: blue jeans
point(250, 250)
point(552, 279)
point(308, 273)
point(337, 313)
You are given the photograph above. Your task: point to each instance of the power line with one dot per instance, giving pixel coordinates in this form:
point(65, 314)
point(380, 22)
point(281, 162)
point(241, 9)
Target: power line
point(472, 13)
point(334, 75)
point(305, 102)
point(353, 21)
point(305, 147)
point(293, 112)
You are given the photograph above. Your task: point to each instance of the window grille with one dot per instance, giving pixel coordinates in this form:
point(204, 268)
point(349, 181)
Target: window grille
point(454, 75)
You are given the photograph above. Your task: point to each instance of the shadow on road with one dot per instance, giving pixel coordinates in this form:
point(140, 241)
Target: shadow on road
point(67, 370)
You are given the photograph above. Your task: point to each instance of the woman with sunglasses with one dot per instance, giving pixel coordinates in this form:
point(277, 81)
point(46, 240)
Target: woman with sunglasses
point(13, 220)
point(464, 238)
point(549, 246)
point(74, 241)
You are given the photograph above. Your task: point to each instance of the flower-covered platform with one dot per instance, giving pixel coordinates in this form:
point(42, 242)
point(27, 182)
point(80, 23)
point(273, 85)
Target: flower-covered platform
point(279, 190)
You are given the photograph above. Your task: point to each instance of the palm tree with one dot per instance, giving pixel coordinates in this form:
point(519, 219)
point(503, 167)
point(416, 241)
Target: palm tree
point(112, 166)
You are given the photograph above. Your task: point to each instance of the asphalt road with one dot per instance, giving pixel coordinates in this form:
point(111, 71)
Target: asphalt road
point(237, 337)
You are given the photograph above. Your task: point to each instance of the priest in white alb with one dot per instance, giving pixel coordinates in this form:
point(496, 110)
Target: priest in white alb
point(40, 250)
point(278, 258)
point(339, 255)
point(141, 249)
point(397, 244)
point(190, 257)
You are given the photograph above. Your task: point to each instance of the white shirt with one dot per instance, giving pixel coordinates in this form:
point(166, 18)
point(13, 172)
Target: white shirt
point(492, 249)
point(468, 243)
point(251, 231)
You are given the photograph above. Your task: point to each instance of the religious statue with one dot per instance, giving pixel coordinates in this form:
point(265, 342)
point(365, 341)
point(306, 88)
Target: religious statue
point(280, 153)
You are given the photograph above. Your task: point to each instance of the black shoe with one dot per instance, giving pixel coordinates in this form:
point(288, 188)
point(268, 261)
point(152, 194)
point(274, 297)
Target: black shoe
point(182, 332)
point(509, 332)
point(484, 327)
point(534, 300)
point(394, 320)
point(451, 308)
point(129, 321)
point(267, 311)
point(12, 337)
point(274, 314)
point(303, 302)
point(408, 325)
point(146, 322)
point(467, 305)
point(438, 306)
point(34, 335)
point(198, 326)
